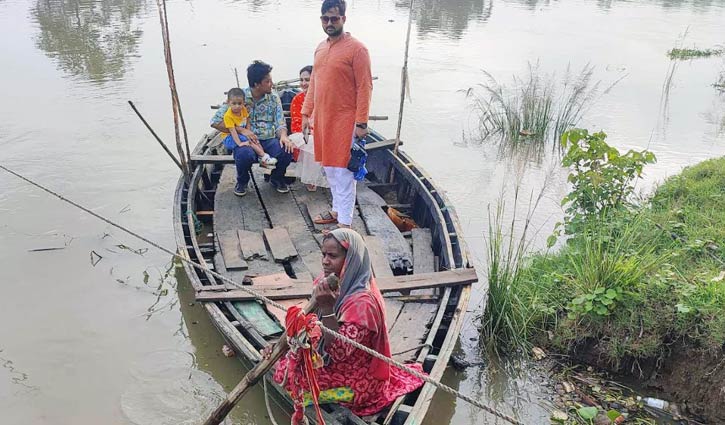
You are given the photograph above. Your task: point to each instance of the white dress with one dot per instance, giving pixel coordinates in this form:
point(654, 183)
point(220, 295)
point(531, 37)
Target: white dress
point(309, 171)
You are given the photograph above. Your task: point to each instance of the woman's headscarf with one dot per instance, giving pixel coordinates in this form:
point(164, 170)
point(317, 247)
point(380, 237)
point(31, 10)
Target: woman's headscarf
point(357, 270)
point(360, 301)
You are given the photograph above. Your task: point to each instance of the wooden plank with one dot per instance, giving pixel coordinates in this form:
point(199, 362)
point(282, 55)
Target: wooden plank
point(423, 257)
point(276, 280)
point(423, 261)
point(248, 329)
point(378, 224)
point(298, 288)
point(280, 244)
point(257, 316)
point(367, 196)
point(252, 244)
point(392, 310)
point(285, 212)
point(211, 159)
point(232, 254)
point(379, 260)
point(383, 144)
point(410, 329)
point(233, 213)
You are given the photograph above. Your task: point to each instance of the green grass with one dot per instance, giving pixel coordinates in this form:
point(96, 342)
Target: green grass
point(684, 53)
point(662, 260)
point(532, 109)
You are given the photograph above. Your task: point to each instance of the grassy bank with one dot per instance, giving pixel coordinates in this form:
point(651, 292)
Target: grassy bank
point(631, 280)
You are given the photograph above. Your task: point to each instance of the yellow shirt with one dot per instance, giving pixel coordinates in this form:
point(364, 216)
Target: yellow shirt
point(233, 120)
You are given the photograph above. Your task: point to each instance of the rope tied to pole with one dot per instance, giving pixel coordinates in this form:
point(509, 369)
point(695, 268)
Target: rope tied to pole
point(269, 301)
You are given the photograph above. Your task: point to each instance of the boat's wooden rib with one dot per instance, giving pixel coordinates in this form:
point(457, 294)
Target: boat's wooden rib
point(248, 326)
point(297, 288)
point(200, 159)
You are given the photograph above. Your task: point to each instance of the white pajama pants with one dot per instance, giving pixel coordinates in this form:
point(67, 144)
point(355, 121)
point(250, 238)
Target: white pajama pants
point(342, 185)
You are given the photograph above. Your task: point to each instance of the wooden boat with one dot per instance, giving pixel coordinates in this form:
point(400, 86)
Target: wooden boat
point(425, 309)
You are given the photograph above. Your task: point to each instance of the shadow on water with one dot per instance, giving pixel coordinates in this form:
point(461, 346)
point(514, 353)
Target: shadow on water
point(89, 39)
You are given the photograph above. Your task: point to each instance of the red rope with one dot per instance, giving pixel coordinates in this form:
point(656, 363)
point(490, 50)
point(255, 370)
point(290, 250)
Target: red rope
point(303, 328)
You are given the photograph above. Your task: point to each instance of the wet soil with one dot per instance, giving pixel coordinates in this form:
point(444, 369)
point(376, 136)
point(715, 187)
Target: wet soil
point(691, 378)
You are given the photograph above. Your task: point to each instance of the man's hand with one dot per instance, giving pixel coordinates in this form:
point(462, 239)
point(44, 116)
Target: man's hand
point(361, 132)
point(286, 143)
point(249, 134)
point(305, 124)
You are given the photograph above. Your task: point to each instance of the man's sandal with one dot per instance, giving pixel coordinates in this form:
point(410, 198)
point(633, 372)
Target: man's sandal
point(325, 218)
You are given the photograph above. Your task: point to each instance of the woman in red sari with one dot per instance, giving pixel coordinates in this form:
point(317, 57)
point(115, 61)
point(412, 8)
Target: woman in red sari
point(354, 379)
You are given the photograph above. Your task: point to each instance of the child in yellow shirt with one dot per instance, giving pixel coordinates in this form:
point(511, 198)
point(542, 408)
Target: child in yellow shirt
point(236, 116)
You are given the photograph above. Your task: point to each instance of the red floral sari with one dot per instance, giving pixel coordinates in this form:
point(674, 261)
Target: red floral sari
point(361, 314)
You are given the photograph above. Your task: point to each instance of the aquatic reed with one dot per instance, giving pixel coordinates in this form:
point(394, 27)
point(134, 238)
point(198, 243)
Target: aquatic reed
point(532, 109)
point(685, 53)
point(509, 321)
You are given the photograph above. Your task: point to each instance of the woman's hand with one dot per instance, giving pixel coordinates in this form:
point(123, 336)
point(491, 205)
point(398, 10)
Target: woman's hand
point(324, 296)
point(267, 351)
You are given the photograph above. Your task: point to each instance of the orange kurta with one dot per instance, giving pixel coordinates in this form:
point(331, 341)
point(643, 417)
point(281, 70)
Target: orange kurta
point(339, 95)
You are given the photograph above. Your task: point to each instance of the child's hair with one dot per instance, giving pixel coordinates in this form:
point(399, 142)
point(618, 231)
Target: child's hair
point(235, 92)
point(256, 72)
point(307, 69)
point(331, 4)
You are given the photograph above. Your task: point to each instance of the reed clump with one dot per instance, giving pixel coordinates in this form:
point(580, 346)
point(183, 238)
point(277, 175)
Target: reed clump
point(693, 53)
point(534, 109)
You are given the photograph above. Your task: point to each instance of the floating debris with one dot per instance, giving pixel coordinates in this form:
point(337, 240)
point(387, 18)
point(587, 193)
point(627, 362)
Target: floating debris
point(95, 258)
point(55, 248)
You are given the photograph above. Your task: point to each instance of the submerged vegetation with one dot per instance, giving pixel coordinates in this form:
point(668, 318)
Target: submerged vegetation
point(629, 280)
point(532, 109)
point(684, 53)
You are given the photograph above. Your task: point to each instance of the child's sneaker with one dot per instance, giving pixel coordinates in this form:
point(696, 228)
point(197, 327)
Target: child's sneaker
point(267, 161)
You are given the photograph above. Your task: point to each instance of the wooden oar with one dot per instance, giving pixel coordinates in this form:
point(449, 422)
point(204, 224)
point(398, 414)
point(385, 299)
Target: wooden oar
point(258, 371)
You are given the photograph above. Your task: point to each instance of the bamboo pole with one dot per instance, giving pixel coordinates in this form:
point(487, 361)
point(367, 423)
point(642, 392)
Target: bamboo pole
point(175, 105)
point(158, 139)
point(403, 80)
point(258, 371)
point(175, 92)
point(251, 378)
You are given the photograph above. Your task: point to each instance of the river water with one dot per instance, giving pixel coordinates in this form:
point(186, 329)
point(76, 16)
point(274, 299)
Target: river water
point(100, 329)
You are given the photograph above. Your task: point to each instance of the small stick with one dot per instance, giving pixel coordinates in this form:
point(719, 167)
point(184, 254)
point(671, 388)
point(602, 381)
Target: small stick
point(236, 75)
point(171, 155)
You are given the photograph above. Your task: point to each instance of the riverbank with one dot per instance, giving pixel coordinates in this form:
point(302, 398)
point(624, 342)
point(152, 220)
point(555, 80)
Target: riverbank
point(637, 290)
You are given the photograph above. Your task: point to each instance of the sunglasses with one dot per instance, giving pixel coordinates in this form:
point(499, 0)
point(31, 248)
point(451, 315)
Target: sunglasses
point(326, 19)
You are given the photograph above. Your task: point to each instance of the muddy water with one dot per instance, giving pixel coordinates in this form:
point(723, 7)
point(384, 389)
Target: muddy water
point(100, 329)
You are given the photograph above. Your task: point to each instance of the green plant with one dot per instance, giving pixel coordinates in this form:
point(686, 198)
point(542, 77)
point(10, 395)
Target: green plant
point(684, 53)
point(600, 301)
point(608, 263)
point(601, 177)
point(533, 109)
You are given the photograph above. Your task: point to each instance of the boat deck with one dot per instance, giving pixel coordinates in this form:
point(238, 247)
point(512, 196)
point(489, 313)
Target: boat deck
point(270, 236)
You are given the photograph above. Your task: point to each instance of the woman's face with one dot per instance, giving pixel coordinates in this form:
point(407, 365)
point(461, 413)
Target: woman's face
point(305, 81)
point(333, 257)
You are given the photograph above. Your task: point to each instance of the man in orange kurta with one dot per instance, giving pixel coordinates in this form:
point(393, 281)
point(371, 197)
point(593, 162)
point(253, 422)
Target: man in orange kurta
point(339, 96)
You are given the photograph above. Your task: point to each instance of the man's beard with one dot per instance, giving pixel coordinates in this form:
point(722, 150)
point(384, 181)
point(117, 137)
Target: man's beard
point(333, 34)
